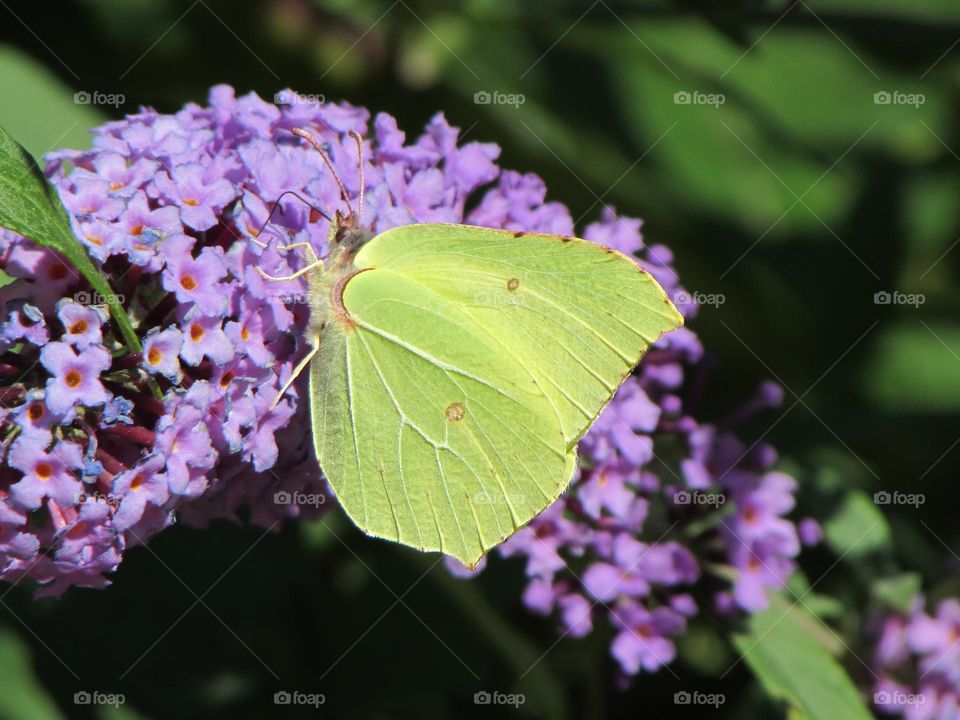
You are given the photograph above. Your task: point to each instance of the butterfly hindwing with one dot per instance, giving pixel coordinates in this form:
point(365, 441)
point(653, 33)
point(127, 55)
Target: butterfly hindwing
point(429, 434)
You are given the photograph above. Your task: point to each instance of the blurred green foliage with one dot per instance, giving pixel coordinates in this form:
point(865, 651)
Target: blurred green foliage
point(798, 199)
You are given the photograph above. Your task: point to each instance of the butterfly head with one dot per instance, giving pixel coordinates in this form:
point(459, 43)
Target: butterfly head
point(346, 231)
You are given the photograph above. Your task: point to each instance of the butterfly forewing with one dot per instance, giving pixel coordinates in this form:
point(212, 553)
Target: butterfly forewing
point(578, 316)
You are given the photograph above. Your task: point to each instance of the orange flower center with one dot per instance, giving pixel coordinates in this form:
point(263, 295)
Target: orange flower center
point(245, 334)
point(94, 239)
point(192, 202)
point(187, 282)
point(43, 470)
point(73, 378)
point(154, 356)
point(35, 411)
point(136, 230)
point(196, 332)
point(116, 186)
point(79, 327)
point(137, 482)
point(227, 377)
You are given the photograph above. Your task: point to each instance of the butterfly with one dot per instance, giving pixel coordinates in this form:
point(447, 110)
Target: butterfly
point(455, 368)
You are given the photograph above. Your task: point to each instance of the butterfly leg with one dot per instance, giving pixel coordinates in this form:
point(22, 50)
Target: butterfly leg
point(311, 253)
point(299, 273)
point(301, 366)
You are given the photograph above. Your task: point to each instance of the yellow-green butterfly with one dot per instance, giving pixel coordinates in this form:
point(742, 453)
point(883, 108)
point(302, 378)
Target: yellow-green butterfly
point(455, 368)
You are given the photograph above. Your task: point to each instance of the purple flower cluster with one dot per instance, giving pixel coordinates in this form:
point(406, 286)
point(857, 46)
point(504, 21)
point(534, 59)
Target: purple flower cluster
point(666, 513)
point(102, 449)
point(916, 663)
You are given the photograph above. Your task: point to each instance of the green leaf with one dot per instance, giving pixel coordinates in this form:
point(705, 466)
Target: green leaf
point(857, 529)
point(30, 207)
point(795, 668)
point(897, 592)
point(22, 696)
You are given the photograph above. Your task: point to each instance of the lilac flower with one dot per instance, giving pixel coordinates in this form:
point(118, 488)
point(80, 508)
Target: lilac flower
point(81, 323)
point(45, 474)
point(137, 488)
point(203, 337)
point(643, 641)
point(917, 662)
point(198, 191)
point(24, 322)
point(160, 351)
point(192, 279)
point(75, 377)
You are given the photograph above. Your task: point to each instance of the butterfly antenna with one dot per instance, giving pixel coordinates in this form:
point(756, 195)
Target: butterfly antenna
point(359, 140)
point(276, 206)
point(300, 132)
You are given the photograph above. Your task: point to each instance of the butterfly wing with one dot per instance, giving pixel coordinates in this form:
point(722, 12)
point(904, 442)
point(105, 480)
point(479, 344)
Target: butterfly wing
point(578, 316)
point(430, 434)
point(449, 392)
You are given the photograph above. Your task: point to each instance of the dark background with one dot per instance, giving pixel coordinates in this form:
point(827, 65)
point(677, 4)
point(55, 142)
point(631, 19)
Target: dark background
point(797, 200)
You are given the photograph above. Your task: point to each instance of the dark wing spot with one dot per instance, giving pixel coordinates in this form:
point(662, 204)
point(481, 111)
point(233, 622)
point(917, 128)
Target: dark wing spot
point(455, 411)
point(513, 284)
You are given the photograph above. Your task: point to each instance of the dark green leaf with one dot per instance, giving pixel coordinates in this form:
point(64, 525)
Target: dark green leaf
point(30, 207)
point(795, 668)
